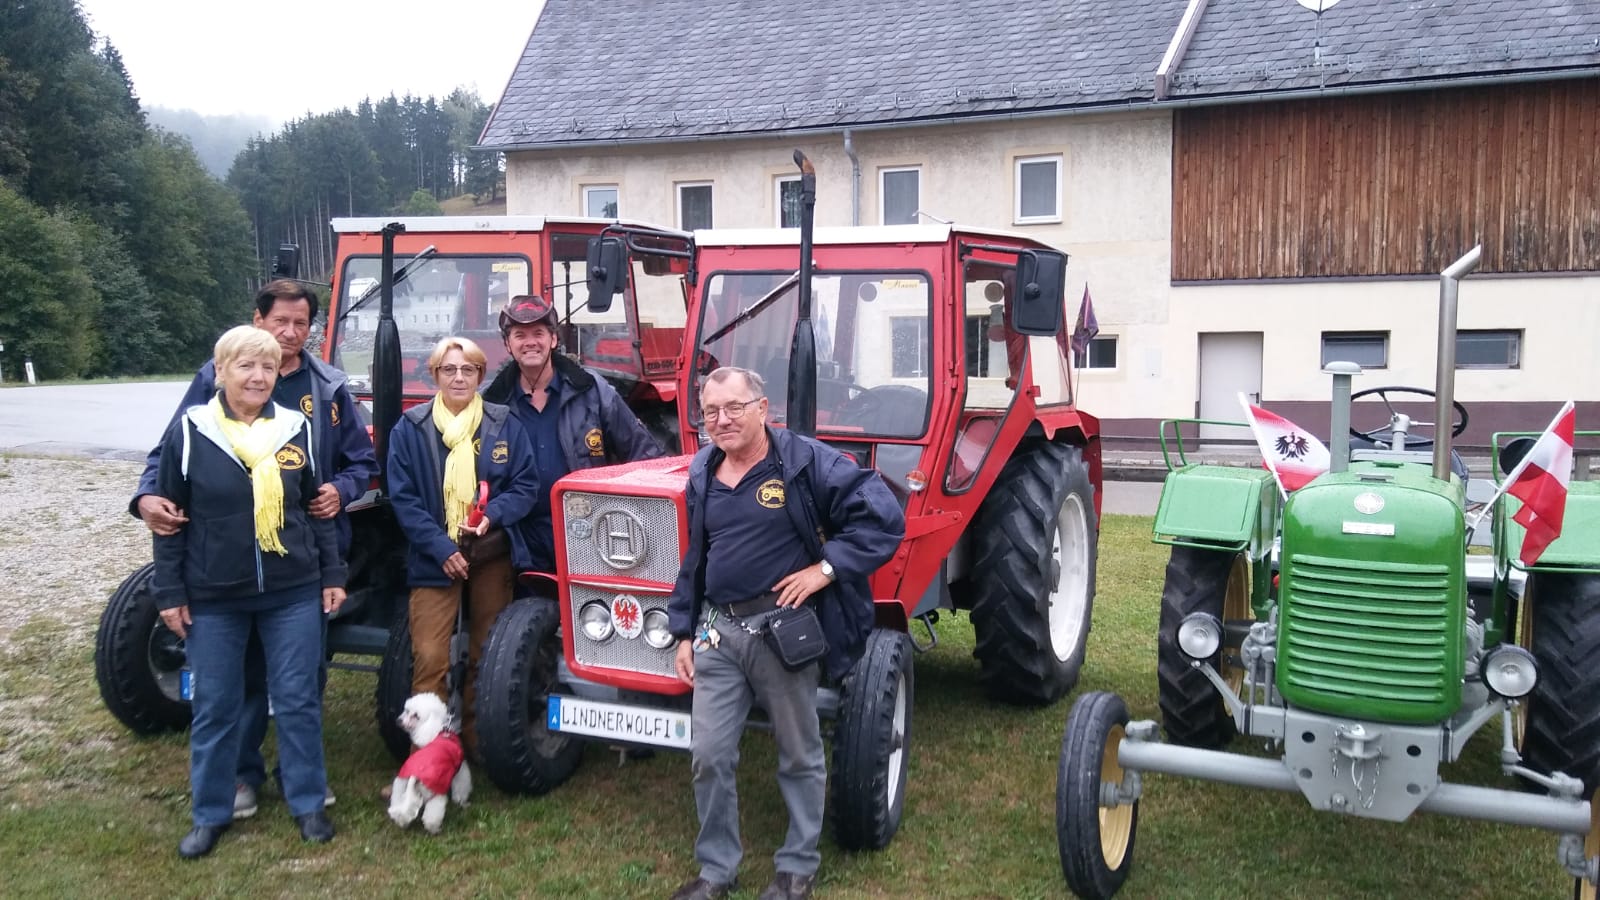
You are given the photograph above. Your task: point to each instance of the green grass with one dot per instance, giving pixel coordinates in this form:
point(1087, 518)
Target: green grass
point(88, 808)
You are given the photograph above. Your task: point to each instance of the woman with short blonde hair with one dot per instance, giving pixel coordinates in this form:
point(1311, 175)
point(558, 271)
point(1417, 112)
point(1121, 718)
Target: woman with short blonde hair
point(249, 342)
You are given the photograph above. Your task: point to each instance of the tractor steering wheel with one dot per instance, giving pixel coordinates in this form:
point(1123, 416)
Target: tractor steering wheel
point(1385, 434)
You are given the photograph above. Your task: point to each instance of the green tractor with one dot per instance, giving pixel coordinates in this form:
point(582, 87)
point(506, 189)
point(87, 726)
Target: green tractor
point(1350, 628)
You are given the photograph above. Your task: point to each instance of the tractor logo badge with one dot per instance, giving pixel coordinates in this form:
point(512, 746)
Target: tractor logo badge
point(620, 538)
point(580, 528)
point(1369, 503)
point(501, 452)
point(333, 414)
point(477, 446)
point(290, 457)
point(627, 615)
point(1292, 445)
point(578, 507)
point(770, 493)
point(595, 441)
point(305, 405)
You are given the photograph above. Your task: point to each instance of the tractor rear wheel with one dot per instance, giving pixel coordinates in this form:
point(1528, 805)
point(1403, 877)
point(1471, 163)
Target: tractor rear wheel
point(1032, 587)
point(872, 743)
point(1208, 581)
point(1095, 841)
point(137, 660)
point(1562, 731)
point(394, 685)
point(515, 676)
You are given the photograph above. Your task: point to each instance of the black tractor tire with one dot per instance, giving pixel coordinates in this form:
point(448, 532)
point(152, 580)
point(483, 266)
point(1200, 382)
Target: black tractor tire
point(1035, 543)
point(872, 743)
point(515, 675)
point(137, 660)
point(1095, 842)
point(1192, 714)
point(394, 685)
point(1563, 712)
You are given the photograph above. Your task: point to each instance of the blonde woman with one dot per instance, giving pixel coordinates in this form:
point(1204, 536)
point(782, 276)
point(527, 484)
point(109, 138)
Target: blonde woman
point(248, 558)
point(438, 452)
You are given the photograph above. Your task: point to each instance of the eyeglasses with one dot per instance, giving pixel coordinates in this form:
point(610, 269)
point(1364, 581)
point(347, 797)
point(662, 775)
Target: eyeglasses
point(734, 410)
point(453, 371)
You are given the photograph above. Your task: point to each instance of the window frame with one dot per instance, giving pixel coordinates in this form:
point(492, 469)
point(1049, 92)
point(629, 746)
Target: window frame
point(883, 193)
point(1516, 335)
point(778, 181)
point(1089, 354)
point(1058, 160)
point(1352, 337)
point(680, 187)
point(589, 189)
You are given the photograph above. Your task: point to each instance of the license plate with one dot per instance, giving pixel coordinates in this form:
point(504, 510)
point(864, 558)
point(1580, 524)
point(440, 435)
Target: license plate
point(186, 684)
point(633, 724)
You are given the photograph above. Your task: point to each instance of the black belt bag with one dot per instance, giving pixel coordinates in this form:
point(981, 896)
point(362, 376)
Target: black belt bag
point(795, 636)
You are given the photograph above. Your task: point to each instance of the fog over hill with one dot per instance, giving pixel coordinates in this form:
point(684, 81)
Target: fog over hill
point(216, 139)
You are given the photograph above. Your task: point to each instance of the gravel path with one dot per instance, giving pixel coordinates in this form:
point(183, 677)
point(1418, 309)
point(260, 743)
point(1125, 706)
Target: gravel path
point(66, 540)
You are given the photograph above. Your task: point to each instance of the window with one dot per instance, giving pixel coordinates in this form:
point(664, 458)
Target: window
point(1038, 189)
point(788, 206)
point(600, 201)
point(1488, 349)
point(694, 206)
point(1367, 349)
point(980, 344)
point(1102, 354)
point(900, 190)
point(908, 339)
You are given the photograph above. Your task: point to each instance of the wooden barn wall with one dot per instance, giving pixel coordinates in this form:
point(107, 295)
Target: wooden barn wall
point(1389, 184)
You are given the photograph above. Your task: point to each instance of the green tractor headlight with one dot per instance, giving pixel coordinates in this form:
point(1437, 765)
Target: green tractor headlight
point(1510, 671)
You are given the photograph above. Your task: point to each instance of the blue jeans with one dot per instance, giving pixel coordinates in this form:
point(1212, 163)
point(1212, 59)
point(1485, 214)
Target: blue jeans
point(289, 625)
point(252, 764)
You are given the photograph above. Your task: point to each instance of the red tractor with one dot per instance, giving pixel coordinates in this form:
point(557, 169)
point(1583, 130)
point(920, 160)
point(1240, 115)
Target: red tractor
point(934, 354)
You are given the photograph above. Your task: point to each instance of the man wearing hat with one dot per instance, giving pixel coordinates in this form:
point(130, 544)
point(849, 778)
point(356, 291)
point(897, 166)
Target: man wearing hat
point(574, 417)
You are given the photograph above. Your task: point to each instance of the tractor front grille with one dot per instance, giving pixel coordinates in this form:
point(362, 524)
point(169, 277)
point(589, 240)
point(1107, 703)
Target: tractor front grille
point(617, 651)
point(1376, 639)
point(635, 537)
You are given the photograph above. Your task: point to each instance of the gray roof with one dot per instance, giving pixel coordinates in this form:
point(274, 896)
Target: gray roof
point(638, 70)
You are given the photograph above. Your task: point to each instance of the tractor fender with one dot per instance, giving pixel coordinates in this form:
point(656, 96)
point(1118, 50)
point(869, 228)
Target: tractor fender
point(1219, 507)
point(1576, 548)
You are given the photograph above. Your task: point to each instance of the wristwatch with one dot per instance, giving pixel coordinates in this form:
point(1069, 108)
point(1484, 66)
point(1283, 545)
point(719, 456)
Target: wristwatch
point(827, 570)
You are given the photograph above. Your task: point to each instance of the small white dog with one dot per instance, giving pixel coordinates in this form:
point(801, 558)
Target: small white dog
point(434, 769)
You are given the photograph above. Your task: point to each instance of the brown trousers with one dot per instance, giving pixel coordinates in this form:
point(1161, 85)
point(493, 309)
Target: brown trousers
point(433, 621)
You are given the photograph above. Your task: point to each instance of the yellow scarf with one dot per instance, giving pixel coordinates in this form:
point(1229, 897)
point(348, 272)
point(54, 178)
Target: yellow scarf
point(461, 466)
point(256, 445)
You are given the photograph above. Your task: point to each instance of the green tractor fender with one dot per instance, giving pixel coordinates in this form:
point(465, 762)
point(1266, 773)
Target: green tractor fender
point(1223, 508)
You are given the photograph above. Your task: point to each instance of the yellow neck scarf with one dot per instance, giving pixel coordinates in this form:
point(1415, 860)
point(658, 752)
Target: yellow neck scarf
point(256, 446)
point(461, 466)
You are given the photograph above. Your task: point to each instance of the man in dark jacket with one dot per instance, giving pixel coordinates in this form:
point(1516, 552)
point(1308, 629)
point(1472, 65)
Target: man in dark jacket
point(344, 460)
point(803, 523)
point(574, 418)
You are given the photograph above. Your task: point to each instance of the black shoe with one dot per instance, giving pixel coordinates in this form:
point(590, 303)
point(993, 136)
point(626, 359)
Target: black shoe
point(315, 827)
point(701, 889)
point(200, 841)
point(789, 886)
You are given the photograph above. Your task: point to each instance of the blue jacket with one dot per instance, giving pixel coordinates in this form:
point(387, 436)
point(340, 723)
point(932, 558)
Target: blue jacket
point(416, 479)
point(345, 457)
point(845, 513)
point(596, 426)
point(215, 558)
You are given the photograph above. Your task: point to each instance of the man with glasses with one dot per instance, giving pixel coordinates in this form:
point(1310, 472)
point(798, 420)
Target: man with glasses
point(573, 417)
point(802, 523)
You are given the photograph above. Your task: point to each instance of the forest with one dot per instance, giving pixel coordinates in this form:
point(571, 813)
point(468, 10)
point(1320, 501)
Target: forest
point(121, 255)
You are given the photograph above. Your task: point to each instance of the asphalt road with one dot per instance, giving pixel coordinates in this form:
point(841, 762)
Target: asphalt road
point(123, 421)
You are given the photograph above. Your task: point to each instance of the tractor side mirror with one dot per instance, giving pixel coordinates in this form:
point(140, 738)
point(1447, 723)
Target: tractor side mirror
point(287, 263)
point(1512, 453)
point(1041, 278)
point(608, 271)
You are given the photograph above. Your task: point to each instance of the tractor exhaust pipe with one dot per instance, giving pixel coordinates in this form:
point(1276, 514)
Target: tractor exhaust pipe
point(1444, 386)
point(802, 409)
point(385, 358)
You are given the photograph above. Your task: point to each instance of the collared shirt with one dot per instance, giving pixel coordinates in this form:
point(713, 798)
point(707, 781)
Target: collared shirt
point(294, 391)
point(751, 543)
point(548, 459)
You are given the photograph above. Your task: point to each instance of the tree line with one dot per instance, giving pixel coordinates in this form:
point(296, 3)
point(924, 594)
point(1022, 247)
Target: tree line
point(121, 255)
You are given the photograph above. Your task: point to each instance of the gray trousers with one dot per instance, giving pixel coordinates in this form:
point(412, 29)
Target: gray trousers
point(727, 679)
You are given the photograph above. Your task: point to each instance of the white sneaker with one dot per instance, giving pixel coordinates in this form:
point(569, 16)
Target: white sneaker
point(244, 801)
point(328, 799)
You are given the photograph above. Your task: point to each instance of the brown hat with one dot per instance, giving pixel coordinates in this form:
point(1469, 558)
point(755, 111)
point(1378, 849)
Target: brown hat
point(527, 309)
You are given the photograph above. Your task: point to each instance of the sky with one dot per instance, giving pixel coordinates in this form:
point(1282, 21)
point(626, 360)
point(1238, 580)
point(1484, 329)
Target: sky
point(290, 57)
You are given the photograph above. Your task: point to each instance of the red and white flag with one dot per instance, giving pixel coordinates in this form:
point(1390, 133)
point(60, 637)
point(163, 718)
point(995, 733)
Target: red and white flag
point(1292, 454)
point(1540, 482)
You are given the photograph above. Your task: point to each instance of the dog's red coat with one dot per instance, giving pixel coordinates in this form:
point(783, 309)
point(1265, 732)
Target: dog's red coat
point(436, 764)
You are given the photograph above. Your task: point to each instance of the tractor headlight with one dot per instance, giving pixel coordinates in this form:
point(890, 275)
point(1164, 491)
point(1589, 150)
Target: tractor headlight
point(1510, 671)
point(655, 629)
point(595, 620)
point(1200, 635)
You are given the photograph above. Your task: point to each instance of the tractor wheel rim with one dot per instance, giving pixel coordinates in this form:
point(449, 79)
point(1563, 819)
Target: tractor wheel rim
point(165, 655)
point(1519, 713)
point(1069, 586)
point(1591, 847)
point(897, 742)
point(1116, 822)
point(1235, 607)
